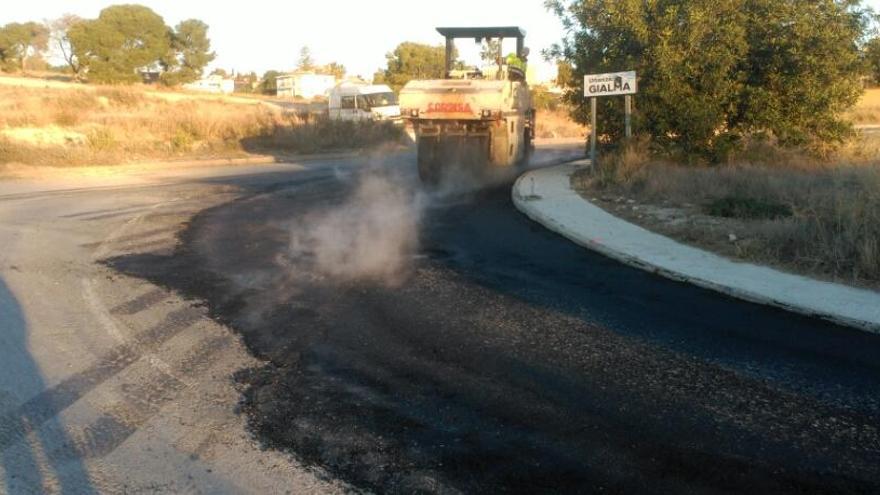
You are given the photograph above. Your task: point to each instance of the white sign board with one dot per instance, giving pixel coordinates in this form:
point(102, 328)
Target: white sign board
point(615, 83)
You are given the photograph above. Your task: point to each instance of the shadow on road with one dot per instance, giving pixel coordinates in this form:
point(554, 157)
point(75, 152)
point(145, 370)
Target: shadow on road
point(31, 450)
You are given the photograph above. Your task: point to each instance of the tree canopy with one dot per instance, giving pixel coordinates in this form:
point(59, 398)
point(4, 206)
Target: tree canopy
point(333, 69)
point(712, 71)
point(59, 29)
point(189, 54)
point(490, 51)
point(306, 62)
point(872, 59)
point(268, 84)
point(127, 38)
point(121, 40)
point(19, 41)
point(412, 61)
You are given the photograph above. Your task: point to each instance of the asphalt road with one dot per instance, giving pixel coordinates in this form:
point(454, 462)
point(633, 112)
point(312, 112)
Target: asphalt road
point(405, 342)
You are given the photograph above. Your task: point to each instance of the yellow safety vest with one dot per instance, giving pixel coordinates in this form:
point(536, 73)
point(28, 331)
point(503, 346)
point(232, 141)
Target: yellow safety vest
point(514, 61)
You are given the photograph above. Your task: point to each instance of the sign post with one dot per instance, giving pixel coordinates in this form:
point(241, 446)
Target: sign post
point(611, 84)
point(593, 132)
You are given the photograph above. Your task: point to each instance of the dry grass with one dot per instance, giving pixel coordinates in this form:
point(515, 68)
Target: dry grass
point(818, 217)
point(324, 135)
point(108, 125)
point(557, 124)
point(867, 110)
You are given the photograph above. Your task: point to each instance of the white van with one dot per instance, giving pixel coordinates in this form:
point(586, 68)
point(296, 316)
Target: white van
point(363, 102)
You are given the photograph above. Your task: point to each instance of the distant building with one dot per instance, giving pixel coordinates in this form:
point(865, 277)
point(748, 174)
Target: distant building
point(212, 84)
point(306, 85)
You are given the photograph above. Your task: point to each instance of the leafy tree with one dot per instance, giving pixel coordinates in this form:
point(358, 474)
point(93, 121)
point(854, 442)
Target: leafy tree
point(413, 61)
point(333, 69)
point(267, 83)
point(220, 72)
point(121, 40)
point(491, 51)
point(305, 59)
point(246, 83)
point(190, 51)
point(19, 41)
point(59, 29)
point(712, 71)
point(564, 74)
point(872, 58)
point(543, 99)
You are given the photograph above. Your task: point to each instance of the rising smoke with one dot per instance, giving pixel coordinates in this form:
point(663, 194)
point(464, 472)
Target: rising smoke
point(372, 236)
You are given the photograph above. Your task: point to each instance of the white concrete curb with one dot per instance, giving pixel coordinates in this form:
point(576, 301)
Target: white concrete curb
point(545, 196)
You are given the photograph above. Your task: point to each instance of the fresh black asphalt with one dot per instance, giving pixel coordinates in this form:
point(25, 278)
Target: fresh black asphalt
point(507, 359)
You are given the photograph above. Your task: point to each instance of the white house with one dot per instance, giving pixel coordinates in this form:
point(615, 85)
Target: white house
point(213, 84)
point(304, 84)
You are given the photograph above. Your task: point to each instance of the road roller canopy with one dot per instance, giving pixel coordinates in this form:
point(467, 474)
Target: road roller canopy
point(479, 34)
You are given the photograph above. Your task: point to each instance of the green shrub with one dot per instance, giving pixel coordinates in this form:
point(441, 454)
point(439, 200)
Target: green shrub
point(182, 140)
point(101, 139)
point(747, 208)
point(711, 72)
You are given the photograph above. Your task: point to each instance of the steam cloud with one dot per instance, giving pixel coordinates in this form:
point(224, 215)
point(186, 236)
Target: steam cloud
point(372, 236)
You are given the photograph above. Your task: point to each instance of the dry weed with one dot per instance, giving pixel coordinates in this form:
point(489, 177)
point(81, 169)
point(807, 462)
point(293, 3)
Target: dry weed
point(557, 124)
point(123, 124)
point(819, 216)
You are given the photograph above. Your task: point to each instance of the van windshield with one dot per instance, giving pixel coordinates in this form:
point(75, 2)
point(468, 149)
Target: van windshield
point(380, 99)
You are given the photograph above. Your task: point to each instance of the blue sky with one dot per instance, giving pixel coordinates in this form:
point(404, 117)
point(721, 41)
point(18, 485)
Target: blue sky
point(259, 35)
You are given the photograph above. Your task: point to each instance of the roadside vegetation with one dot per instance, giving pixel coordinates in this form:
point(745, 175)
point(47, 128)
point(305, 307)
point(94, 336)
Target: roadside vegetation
point(748, 148)
point(556, 124)
point(816, 216)
point(867, 110)
point(714, 74)
point(112, 124)
point(553, 119)
point(116, 47)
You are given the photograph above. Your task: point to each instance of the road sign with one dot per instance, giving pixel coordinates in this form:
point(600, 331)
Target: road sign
point(611, 84)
